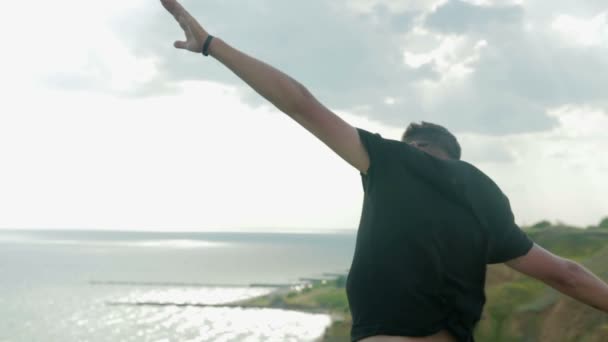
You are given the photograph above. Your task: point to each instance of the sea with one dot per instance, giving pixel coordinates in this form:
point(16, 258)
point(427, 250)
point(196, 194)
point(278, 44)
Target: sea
point(152, 286)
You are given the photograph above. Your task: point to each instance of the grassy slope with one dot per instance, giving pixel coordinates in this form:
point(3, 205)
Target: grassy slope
point(517, 308)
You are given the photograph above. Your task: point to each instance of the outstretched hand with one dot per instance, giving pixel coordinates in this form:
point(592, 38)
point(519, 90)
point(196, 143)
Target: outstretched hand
point(195, 34)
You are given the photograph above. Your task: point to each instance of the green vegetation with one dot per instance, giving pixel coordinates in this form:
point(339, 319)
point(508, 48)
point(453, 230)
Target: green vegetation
point(517, 309)
point(542, 224)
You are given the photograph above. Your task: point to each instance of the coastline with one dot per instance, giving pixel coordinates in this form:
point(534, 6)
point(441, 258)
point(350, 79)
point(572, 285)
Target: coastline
point(326, 296)
point(320, 296)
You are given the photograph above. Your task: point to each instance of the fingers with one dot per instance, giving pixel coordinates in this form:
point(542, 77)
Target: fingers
point(185, 20)
point(174, 8)
point(169, 5)
point(179, 44)
point(194, 31)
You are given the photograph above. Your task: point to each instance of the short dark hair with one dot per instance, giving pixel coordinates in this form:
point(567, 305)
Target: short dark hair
point(436, 134)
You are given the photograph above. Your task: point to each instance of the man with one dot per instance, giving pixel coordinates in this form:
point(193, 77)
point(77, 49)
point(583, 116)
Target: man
point(430, 222)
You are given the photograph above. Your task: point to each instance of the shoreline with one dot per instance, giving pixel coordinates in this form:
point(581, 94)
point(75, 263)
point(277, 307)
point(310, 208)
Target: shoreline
point(325, 295)
point(316, 296)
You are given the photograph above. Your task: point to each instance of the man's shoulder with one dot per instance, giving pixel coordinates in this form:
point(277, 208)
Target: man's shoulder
point(476, 175)
point(479, 186)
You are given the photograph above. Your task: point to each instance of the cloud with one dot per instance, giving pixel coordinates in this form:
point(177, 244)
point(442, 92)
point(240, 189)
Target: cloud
point(458, 17)
point(582, 31)
point(521, 73)
point(495, 67)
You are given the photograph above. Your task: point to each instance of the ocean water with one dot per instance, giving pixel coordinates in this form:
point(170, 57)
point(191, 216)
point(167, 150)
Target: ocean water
point(126, 286)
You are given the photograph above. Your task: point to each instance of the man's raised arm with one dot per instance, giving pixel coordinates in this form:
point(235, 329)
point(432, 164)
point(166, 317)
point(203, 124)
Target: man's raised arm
point(287, 94)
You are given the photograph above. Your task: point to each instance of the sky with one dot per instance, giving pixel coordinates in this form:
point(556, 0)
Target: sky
point(104, 125)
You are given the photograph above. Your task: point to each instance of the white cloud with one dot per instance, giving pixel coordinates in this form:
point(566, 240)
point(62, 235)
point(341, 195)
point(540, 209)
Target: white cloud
point(454, 57)
point(495, 2)
point(582, 123)
point(366, 6)
point(582, 31)
point(70, 42)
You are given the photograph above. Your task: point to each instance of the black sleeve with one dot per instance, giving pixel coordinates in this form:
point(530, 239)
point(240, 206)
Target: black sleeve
point(506, 240)
point(376, 148)
point(384, 154)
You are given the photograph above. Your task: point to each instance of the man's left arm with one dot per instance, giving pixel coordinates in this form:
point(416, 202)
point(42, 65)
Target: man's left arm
point(564, 275)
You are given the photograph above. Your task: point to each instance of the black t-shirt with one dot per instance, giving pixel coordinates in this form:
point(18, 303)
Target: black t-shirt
point(428, 228)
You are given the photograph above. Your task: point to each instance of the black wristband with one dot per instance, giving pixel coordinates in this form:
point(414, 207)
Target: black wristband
point(206, 45)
